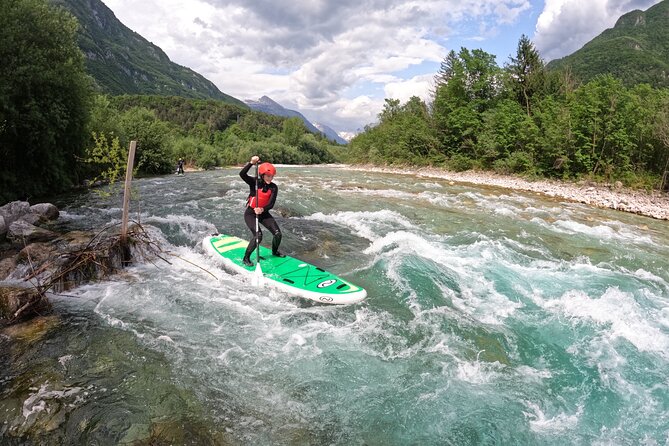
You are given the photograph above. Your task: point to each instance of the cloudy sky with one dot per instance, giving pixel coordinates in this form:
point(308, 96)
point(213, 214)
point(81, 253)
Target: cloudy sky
point(337, 60)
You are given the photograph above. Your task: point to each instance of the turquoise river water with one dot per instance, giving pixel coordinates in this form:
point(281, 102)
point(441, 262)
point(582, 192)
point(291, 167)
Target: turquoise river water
point(492, 317)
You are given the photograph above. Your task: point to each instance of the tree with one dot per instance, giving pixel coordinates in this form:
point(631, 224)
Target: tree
point(662, 131)
point(293, 129)
point(151, 134)
point(526, 73)
point(604, 137)
point(44, 99)
point(468, 85)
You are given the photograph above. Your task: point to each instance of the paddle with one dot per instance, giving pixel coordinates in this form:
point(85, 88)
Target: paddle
point(257, 277)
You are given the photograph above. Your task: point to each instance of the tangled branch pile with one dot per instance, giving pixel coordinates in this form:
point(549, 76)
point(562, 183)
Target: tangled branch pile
point(74, 259)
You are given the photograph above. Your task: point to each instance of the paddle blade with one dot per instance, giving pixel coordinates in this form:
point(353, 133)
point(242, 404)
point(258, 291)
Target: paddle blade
point(258, 278)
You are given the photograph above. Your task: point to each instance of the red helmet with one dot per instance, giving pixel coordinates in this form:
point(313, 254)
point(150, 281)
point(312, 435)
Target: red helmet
point(266, 168)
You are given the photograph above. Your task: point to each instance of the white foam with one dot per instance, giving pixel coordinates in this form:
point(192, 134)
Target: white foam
point(39, 400)
point(619, 314)
point(505, 211)
point(600, 231)
point(645, 275)
point(478, 296)
point(429, 185)
point(477, 372)
point(192, 227)
point(364, 224)
point(384, 193)
point(64, 359)
point(561, 422)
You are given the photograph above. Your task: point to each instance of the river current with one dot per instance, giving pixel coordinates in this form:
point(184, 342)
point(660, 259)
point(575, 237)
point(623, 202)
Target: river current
point(492, 317)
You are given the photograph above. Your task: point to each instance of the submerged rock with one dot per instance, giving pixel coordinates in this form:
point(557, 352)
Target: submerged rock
point(31, 331)
point(14, 298)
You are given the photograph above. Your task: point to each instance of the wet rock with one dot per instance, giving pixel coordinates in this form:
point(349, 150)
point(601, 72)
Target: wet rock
point(21, 232)
point(32, 218)
point(46, 210)
point(14, 211)
point(22, 211)
point(7, 265)
point(178, 431)
point(31, 331)
point(288, 213)
point(13, 298)
point(35, 253)
point(73, 241)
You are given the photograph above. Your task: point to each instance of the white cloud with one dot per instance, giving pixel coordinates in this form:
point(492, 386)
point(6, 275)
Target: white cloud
point(421, 86)
point(310, 53)
point(565, 26)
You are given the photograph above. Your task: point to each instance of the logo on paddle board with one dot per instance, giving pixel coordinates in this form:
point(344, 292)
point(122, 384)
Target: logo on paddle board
point(325, 299)
point(326, 283)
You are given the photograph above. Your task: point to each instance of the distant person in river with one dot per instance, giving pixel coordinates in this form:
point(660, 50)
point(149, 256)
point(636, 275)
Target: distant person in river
point(180, 166)
point(266, 197)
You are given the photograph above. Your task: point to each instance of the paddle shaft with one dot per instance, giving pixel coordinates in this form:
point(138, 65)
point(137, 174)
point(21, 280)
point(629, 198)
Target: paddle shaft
point(257, 222)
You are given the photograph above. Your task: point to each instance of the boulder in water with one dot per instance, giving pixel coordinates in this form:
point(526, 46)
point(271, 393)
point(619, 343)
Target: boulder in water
point(46, 210)
point(14, 211)
point(21, 232)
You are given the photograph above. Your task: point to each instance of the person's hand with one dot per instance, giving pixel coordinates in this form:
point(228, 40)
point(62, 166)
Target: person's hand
point(255, 159)
point(259, 210)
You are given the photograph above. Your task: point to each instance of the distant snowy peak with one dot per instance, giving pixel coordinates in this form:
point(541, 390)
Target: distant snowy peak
point(266, 105)
point(330, 133)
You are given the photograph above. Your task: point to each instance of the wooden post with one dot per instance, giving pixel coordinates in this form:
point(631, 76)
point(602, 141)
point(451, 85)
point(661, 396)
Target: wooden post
point(126, 192)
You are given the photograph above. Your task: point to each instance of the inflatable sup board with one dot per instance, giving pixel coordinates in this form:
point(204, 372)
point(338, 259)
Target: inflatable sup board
point(287, 274)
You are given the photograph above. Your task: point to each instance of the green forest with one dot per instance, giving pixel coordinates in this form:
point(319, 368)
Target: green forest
point(58, 132)
point(523, 119)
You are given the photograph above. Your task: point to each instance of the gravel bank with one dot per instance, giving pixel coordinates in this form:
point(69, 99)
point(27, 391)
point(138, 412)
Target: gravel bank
point(653, 204)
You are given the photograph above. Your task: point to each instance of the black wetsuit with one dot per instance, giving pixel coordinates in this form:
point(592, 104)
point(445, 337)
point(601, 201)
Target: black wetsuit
point(180, 167)
point(265, 218)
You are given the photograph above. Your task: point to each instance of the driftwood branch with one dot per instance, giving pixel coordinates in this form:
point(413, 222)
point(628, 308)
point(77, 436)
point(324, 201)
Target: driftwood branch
point(100, 257)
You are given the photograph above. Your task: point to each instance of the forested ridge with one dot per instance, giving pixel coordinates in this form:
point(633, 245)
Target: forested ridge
point(123, 62)
point(57, 132)
point(635, 50)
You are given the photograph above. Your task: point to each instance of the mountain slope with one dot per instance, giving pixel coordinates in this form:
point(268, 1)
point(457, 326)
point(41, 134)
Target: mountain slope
point(267, 105)
point(123, 62)
point(635, 50)
point(330, 133)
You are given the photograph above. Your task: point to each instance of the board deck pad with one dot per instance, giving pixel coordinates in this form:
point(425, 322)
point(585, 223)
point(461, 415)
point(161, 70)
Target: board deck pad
point(286, 273)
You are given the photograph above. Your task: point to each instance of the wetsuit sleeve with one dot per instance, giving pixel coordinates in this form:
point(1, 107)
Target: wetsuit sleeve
point(244, 173)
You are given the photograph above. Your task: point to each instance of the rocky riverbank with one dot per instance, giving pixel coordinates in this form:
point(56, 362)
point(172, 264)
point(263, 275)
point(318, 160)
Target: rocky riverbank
point(34, 259)
point(652, 204)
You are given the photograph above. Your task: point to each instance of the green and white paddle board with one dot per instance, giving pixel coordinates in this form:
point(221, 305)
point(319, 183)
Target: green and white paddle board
point(285, 273)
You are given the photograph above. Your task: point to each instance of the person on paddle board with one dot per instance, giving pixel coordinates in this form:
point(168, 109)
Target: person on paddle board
point(266, 193)
point(180, 166)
